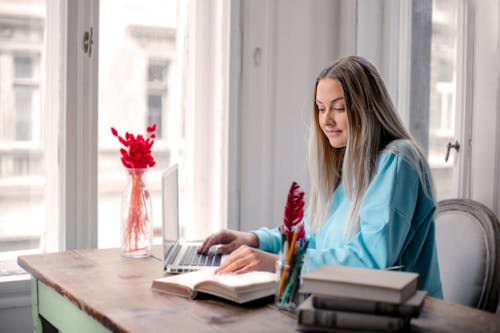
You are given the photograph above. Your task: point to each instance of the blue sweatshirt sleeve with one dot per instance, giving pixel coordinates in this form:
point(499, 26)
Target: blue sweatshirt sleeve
point(385, 221)
point(269, 239)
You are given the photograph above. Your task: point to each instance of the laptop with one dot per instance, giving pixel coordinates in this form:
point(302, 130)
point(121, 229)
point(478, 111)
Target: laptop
point(180, 256)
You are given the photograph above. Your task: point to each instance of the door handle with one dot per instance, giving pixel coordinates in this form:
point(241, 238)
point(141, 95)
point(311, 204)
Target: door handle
point(88, 42)
point(450, 145)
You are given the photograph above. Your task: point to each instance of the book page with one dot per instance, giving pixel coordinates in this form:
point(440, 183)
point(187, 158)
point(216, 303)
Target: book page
point(245, 281)
point(224, 285)
point(188, 279)
point(207, 276)
point(182, 284)
point(240, 288)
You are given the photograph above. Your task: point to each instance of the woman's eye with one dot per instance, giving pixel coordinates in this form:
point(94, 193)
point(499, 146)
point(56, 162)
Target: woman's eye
point(339, 108)
point(321, 110)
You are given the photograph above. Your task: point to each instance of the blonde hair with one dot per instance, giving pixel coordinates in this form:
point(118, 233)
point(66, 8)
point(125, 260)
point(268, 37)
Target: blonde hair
point(373, 123)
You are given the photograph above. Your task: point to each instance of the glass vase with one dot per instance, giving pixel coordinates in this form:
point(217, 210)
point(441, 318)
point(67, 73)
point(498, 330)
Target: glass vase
point(136, 216)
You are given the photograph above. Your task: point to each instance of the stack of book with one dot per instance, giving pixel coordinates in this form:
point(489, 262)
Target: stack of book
point(358, 299)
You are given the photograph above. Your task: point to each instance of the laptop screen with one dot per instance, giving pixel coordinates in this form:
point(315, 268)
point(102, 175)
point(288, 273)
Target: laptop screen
point(170, 204)
point(177, 257)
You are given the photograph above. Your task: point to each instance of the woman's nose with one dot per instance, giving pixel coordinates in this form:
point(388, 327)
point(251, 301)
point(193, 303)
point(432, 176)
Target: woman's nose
point(330, 115)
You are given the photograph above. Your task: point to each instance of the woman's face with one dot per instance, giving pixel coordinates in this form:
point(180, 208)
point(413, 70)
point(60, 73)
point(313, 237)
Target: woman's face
point(332, 115)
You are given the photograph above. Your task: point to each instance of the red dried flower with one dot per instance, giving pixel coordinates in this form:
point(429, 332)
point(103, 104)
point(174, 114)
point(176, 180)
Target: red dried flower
point(138, 155)
point(294, 209)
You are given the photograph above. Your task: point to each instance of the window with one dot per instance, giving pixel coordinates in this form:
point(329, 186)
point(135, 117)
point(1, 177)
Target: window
point(443, 93)
point(427, 67)
point(153, 67)
point(157, 94)
point(51, 160)
point(146, 40)
point(22, 126)
point(26, 104)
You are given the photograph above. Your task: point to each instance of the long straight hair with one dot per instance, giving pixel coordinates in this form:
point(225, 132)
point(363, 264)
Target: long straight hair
point(372, 124)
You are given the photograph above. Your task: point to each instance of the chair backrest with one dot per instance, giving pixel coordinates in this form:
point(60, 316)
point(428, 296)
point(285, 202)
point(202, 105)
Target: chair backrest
point(468, 245)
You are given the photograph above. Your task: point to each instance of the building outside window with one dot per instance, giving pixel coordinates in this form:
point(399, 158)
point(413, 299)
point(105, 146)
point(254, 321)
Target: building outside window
point(22, 146)
point(157, 93)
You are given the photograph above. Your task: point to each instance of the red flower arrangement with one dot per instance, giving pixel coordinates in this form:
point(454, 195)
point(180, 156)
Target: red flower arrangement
point(137, 224)
point(138, 155)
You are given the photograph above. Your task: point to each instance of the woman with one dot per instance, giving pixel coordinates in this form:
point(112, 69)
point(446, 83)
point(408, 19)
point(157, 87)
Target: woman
point(371, 200)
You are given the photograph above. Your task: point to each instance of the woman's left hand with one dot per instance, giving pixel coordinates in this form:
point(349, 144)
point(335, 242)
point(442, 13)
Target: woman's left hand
point(246, 259)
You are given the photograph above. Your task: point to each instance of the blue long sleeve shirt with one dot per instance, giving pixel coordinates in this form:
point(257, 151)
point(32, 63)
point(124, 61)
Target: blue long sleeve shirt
point(396, 225)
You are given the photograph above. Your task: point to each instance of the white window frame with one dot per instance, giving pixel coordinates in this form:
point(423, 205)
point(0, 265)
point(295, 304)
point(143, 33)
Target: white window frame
point(464, 92)
point(78, 126)
point(71, 147)
point(206, 107)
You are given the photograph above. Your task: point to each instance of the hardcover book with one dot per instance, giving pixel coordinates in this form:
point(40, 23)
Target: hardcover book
point(313, 319)
point(239, 288)
point(361, 283)
point(411, 307)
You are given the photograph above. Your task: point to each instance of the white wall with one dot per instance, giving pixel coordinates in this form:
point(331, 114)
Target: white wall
point(485, 122)
point(284, 46)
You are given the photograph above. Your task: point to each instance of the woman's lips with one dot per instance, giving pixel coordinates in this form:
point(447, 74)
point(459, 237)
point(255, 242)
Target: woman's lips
point(333, 132)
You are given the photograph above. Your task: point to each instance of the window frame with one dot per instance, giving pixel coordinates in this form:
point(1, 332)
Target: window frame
point(207, 113)
point(78, 126)
point(71, 172)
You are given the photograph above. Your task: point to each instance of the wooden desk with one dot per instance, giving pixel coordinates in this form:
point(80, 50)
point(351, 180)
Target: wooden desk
point(101, 291)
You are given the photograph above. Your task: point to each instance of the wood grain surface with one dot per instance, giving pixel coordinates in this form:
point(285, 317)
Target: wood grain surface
point(116, 291)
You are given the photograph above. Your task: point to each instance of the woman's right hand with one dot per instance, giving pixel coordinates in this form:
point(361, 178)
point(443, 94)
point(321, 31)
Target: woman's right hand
point(229, 240)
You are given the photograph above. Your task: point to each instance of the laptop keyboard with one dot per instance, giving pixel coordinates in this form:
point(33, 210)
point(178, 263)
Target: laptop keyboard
point(171, 253)
point(193, 258)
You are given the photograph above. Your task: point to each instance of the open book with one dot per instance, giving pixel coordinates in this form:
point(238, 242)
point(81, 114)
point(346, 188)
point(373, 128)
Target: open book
point(239, 288)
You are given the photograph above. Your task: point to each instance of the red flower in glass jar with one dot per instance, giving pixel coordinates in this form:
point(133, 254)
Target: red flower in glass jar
point(137, 223)
point(137, 154)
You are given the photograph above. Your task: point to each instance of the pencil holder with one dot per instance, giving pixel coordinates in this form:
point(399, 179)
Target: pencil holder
point(287, 295)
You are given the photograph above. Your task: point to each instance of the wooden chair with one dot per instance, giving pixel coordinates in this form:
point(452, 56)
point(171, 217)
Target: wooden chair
point(468, 245)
